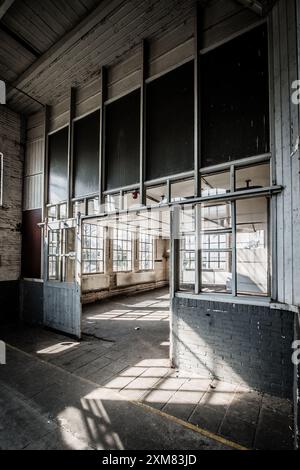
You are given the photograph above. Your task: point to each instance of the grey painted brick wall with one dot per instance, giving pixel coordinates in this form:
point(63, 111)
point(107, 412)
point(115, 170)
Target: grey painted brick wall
point(234, 342)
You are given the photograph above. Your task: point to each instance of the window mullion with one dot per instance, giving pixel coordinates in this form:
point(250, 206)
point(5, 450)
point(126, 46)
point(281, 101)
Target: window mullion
point(198, 267)
point(233, 247)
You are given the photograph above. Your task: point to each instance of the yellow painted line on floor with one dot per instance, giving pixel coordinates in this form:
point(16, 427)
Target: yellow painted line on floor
point(191, 426)
point(149, 408)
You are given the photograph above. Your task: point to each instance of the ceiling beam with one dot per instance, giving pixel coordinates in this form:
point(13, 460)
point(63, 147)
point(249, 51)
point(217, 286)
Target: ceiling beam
point(19, 40)
point(254, 5)
point(96, 16)
point(4, 6)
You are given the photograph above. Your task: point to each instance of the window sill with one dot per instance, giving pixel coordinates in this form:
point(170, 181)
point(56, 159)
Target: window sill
point(227, 298)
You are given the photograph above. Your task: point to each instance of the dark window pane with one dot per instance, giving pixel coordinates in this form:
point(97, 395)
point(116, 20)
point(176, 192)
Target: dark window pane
point(234, 101)
point(58, 166)
point(123, 141)
point(86, 155)
point(170, 123)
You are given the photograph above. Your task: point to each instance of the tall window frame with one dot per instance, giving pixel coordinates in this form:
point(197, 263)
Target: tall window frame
point(93, 248)
point(122, 250)
point(146, 251)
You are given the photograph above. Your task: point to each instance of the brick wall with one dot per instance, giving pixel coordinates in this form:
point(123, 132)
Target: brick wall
point(234, 342)
point(11, 138)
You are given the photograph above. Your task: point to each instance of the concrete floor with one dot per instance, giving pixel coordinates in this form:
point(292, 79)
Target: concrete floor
point(115, 389)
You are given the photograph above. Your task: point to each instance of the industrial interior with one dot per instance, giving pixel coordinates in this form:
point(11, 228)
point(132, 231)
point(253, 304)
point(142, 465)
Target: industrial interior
point(149, 223)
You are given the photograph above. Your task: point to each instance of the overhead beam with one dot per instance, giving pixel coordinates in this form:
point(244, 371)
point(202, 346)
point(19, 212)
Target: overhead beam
point(105, 8)
point(253, 5)
point(4, 6)
point(19, 40)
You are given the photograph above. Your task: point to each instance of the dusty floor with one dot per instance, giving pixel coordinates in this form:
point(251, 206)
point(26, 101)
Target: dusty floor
point(79, 394)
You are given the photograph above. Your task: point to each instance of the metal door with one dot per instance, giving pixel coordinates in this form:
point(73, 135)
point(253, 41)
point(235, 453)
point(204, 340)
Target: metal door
point(62, 276)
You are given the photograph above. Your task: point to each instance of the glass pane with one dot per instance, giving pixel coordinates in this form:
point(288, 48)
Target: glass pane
point(217, 183)
point(53, 255)
point(63, 211)
point(187, 249)
point(251, 177)
point(216, 216)
point(181, 190)
point(131, 199)
point(216, 243)
point(93, 206)
point(93, 248)
point(52, 213)
point(112, 202)
point(235, 122)
point(78, 207)
point(156, 195)
point(122, 250)
point(216, 270)
point(69, 260)
point(252, 246)
point(146, 251)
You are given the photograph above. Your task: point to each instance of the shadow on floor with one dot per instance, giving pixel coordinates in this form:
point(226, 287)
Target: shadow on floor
point(84, 387)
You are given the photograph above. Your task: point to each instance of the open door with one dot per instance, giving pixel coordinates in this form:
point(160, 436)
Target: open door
point(62, 276)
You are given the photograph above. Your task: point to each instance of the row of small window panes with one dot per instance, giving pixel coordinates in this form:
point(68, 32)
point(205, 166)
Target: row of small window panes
point(217, 256)
point(93, 236)
point(188, 260)
point(90, 267)
point(93, 248)
point(248, 177)
point(214, 241)
point(58, 212)
point(53, 242)
point(129, 200)
point(53, 267)
point(122, 245)
point(146, 246)
point(92, 255)
point(120, 265)
point(214, 260)
point(122, 250)
point(92, 207)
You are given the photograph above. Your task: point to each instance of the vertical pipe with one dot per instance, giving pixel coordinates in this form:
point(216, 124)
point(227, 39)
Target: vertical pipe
point(169, 195)
point(197, 145)
point(144, 61)
point(198, 270)
point(273, 203)
point(174, 260)
point(233, 249)
point(44, 249)
point(102, 137)
point(232, 178)
point(196, 100)
point(173, 271)
point(70, 152)
point(45, 162)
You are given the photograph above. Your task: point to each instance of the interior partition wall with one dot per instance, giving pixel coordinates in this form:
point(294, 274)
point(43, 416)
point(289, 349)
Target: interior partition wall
point(233, 125)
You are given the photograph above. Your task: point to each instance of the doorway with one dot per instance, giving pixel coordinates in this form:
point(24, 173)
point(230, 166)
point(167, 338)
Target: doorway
point(125, 284)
